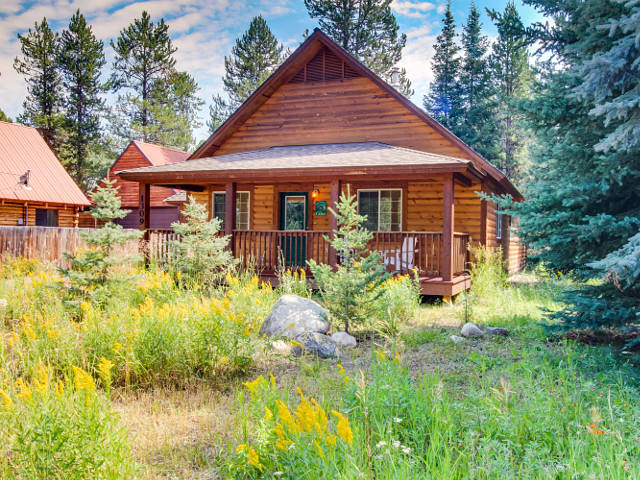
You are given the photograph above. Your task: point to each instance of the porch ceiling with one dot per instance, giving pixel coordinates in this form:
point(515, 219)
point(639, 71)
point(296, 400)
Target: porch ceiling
point(293, 162)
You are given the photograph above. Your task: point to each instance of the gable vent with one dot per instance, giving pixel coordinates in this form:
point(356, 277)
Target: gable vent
point(324, 66)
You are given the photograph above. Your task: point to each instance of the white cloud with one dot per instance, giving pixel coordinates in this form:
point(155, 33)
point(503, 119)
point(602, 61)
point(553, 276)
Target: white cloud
point(412, 9)
point(416, 58)
point(441, 9)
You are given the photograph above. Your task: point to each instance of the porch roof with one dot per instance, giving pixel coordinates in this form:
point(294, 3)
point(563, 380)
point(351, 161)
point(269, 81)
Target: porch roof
point(339, 158)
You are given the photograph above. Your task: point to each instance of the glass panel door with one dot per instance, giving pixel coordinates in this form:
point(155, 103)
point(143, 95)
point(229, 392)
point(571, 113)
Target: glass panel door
point(293, 215)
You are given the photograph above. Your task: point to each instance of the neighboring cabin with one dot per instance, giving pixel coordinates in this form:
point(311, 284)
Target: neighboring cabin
point(323, 124)
point(35, 189)
point(164, 211)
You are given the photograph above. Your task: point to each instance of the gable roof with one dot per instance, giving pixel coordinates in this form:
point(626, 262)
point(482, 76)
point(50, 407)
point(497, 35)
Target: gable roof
point(291, 67)
point(159, 155)
point(22, 149)
point(359, 157)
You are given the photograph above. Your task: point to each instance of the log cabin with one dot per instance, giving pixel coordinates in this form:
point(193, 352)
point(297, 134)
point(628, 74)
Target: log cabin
point(35, 189)
point(164, 209)
point(323, 124)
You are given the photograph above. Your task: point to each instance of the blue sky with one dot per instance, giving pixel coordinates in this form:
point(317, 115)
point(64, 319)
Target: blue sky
point(204, 32)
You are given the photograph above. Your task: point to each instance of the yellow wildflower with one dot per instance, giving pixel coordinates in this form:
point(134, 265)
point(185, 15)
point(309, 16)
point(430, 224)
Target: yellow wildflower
point(305, 414)
point(321, 418)
point(104, 371)
point(283, 442)
point(344, 428)
point(59, 388)
point(381, 356)
point(272, 379)
point(117, 347)
point(267, 414)
point(5, 399)
point(241, 448)
point(255, 386)
point(25, 390)
point(320, 452)
point(41, 380)
point(224, 360)
point(331, 440)
point(253, 458)
point(285, 416)
point(82, 380)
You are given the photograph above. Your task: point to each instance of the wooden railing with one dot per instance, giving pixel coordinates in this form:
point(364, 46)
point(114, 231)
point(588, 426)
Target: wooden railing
point(460, 253)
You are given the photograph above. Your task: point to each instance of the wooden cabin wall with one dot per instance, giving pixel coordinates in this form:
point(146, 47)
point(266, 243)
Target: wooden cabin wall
point(492, 219)
point(128, 192)
point(514, 254)
point(338, 111)
point(11, 212)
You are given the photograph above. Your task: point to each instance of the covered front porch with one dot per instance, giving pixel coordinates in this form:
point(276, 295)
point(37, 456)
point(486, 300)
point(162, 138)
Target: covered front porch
point(276, 206)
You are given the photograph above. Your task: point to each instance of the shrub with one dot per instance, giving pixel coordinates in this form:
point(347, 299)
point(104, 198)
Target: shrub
point(349, 291)
point(399, 298)
point(201, 255)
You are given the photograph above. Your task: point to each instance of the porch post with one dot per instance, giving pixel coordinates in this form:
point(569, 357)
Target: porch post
point(144, 208)
point(230, 212)
point(334, 198)
point(446, 267)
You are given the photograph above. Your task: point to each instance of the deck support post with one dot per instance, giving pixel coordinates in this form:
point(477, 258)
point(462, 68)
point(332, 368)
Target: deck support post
point(230, 212)
point(144, 213)
point(334, 198)
point(446, 267)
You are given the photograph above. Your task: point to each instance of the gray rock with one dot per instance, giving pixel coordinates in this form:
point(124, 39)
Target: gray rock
point(316, 344)
point(457, 339)
point(292, 316)
point(471, 330)
point(344, 339)
point(503, 332)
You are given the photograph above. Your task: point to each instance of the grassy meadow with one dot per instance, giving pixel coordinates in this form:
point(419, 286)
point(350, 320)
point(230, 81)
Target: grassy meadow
point(160, 380)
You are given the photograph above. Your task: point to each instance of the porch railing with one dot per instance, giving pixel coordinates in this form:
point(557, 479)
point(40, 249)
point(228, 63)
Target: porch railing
point(269, 250)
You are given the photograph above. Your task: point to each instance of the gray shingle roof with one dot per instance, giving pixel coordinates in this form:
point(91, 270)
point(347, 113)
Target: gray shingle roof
point(335, 155)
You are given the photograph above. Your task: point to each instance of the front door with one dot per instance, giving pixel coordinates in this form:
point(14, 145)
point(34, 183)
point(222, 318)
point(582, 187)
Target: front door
point(293, 216)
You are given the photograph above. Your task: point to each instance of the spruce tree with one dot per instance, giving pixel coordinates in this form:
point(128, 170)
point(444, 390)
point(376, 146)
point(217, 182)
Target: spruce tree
point(81, 59)
point(4, 118)
point(443, 100)
point(253, 59)
point(511, 75)
point(476, 125)
point(368, 30)
point(144, 67)
point(219, 111)
point(39, 65)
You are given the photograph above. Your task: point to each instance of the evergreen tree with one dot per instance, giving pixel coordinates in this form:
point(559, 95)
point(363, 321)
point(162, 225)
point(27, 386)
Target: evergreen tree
point(81, 59)
point(584, 207)
point(219, 111)
point(4, 118)
point(476, 125)
point(443, 100)
point(368, 30)
point(42, 106)
point(253, 59)
point(145, 67)
point(511, 75)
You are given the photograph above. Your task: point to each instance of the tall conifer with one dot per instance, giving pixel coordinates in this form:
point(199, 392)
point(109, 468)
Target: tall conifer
point(39, 65)
point(443, 99)
point(81, 59)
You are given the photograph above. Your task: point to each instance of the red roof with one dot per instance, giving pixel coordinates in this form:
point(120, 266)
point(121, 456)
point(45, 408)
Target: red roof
point(23, 149)
point(158, 155)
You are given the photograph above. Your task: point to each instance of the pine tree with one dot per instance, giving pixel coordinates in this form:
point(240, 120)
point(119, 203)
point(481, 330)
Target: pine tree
point(144, 67)
point(81, 59)
point(253, 59)
point(511, 75)
point(219, 111)
point(368, 30)
point(443, 100)
point(476, 125)
point(39, 65)
point(4, 118)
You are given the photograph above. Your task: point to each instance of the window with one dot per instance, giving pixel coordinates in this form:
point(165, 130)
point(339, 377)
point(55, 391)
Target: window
point(498, 223)
point(383, 209)
point(242, 209)
point(46, 217)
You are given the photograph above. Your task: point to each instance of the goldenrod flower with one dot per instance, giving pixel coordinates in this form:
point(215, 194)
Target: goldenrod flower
point(104, 371)
point(305, 414)
point(255, 386)
point(25, 390)
point(268, 415)
point(241, 448)
point(344, 428)
point(60, 388)
point(82, 380)
point(287, 419)
point(6, 399)
point(41, 380)
point(331, 440)
point(253, 458)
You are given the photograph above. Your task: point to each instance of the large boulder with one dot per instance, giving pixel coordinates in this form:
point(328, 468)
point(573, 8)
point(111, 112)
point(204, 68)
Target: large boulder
point(471, 330)
point(503, 332)
point(316, 344)
point(292, 316)
point(344, 339)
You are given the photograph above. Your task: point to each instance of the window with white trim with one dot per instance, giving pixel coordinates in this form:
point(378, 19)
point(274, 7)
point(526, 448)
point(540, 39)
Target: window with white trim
point(242, 209)
point(383, 209)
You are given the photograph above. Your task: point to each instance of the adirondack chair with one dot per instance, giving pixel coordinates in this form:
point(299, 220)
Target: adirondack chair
point(402, 259)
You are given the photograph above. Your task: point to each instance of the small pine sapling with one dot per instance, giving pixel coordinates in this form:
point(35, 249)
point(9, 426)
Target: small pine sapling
point(350, 291)
point(201, 255)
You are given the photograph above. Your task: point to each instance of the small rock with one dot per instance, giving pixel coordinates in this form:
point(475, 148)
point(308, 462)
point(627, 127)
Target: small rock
point(503, 332)
point(293, 315)
point(471, 330)
point(316, 344)
point(281, 346)
point(457, 339)
point(344, 339)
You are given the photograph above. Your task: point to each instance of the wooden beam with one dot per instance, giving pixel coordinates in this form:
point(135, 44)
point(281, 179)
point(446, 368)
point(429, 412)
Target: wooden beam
point(230, 211)
point(446, 267)
point(334, 198)
point(483, 214)
point(462, 180)
point(144, 207)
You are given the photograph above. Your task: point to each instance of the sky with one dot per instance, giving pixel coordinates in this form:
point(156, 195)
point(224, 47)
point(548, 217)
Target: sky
point(204, 32)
